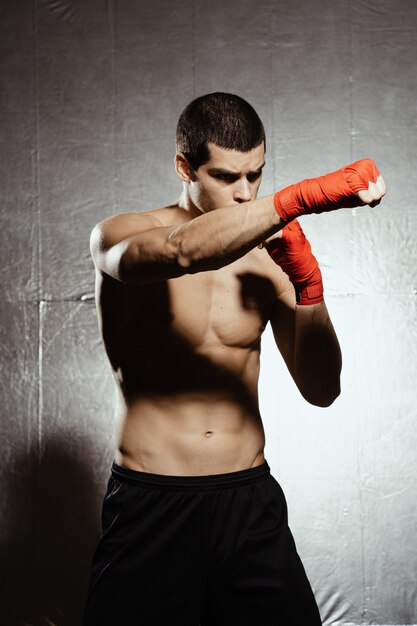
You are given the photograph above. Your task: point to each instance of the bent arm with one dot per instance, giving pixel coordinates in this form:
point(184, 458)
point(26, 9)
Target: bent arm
point(136, 249)
point(308, 343)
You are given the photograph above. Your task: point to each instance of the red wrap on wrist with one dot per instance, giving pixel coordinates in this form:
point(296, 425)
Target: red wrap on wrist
point(292, 252)
point(332, 191)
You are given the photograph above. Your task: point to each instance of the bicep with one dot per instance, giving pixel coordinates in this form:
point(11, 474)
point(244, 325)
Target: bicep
point(134, 248)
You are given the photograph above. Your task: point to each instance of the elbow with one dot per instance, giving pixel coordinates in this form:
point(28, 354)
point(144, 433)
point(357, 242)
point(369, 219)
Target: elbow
point(325, 401)
point(324, 397)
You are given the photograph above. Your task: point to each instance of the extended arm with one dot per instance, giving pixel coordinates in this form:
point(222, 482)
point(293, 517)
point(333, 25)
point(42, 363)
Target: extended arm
point(137, 249)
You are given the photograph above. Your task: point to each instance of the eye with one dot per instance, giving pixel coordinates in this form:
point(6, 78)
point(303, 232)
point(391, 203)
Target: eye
point(254, 176)
point(229, 178)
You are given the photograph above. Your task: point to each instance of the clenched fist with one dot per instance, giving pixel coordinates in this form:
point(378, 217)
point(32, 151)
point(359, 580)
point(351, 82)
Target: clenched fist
point(354, 185)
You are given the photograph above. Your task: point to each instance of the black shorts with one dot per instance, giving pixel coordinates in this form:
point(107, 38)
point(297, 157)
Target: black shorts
point(197, 550)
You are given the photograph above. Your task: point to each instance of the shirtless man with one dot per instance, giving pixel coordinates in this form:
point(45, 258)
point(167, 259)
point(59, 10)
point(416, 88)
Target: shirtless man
point(194, 525)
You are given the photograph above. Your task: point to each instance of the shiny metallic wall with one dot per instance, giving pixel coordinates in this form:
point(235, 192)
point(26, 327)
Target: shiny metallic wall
point(91, 91)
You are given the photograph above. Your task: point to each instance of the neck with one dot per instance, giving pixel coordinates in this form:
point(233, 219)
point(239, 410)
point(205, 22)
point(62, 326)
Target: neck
point(185, 202)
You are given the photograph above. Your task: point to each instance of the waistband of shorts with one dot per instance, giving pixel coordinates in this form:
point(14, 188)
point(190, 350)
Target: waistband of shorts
point(205, 482)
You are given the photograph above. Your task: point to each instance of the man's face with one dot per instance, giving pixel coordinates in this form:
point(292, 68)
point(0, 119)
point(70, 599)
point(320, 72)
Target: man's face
point(229, 177)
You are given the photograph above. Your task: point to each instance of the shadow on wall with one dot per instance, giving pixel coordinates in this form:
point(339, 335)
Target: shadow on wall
point(46, 551)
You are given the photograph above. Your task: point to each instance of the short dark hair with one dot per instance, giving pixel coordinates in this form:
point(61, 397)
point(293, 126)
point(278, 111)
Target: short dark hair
point(220, 118)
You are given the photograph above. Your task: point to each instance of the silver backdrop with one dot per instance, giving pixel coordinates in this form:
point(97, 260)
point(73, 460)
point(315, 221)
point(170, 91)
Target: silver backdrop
point(91, 91)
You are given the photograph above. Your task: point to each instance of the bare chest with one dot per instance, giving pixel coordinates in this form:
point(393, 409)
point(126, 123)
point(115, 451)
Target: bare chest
point(229, 307)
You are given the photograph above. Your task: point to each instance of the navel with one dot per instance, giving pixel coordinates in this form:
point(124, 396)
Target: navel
point(208, 433)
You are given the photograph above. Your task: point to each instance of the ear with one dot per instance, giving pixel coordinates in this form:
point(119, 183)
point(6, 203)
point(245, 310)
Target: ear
point(183, 169)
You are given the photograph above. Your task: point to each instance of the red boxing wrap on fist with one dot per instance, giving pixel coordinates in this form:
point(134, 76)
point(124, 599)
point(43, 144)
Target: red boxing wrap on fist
point(326, 193)
point(292, 252)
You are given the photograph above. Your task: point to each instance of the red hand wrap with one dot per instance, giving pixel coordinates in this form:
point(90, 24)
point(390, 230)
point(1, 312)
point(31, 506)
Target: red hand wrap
point(326, 193)
point(293, 253)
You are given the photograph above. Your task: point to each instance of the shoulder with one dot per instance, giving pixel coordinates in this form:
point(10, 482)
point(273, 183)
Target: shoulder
point(113, 229)
point(114, 222)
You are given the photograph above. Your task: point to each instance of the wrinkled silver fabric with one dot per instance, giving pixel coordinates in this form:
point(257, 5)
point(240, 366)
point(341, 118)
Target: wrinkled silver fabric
point(91, 92)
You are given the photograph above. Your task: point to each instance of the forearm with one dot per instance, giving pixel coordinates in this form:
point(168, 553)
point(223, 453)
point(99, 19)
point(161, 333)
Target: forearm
point(317, 355)
point(313, 355)
point(207, 242)
point(217, 238)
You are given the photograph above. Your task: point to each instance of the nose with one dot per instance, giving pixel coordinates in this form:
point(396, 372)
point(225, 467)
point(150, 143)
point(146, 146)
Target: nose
point(242, 191)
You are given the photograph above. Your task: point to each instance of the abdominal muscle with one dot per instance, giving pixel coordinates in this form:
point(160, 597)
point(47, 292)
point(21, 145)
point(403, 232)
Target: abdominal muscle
point(188, 396)
point(189, 437)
